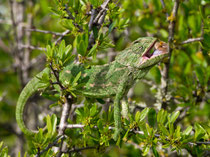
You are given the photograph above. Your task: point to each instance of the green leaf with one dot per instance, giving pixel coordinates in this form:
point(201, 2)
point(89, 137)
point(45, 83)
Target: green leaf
point(143, 114)
point(61, 49)
point(112, 26)
point(155, 152)
point(100, 125)
point(143, 127)
point(171, 128)
point(93, 110)
point(152, 117)
point(49, 125)
point(137, 116)
point(188, 130)
point(162, 116)
point(76, 78)
point(146, 150)
point(199, 131)
point(54, 123)
point(93, 51)
point(177, 133)
point(174, 116)
point(163, 129)
point(81, 48)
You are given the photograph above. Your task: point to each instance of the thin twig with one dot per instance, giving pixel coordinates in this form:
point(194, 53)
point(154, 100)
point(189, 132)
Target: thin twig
point(78, 149)
point(61, 37)
point(50, 145)
point(42, 48)
point(70, 16)
point(56, 77)
point(33, 47)
point(44, 31)
point(93, 14)
point(73, 126)
point(192, 40)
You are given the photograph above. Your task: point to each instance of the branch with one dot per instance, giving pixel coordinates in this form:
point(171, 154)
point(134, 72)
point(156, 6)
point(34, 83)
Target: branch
point(65, 110)
point(49, 146)
point(70, 16)
point(78, 149)
point(96, 20)
point(42, 48)
point(192, 40)
point(61, 37)
point(165, 71)
point(44, 31)
point(33, 47)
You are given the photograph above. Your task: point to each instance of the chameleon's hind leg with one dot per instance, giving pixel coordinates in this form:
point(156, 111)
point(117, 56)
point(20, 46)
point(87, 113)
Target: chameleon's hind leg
point(117, 111)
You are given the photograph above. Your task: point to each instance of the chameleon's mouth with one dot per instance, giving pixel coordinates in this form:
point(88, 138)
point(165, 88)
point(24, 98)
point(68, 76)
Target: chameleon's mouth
point(156, 49)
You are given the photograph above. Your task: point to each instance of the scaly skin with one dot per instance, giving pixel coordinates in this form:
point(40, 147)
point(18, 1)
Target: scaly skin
point(102, 81)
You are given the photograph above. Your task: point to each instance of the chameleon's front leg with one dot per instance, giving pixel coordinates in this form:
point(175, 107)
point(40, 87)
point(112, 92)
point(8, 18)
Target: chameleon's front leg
point(117, 112)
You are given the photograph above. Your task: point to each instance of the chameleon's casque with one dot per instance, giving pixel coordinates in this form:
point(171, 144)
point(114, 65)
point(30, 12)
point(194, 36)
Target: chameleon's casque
point(102, 81)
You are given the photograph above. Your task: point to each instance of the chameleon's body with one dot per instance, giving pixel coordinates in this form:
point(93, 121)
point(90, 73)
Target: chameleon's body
point(102, 81)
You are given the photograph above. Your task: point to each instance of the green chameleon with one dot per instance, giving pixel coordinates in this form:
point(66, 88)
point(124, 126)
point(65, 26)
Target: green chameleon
point(103, 81)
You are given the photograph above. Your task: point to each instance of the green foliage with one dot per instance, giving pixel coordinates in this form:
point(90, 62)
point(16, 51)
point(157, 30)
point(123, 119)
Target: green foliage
point(3, 150)
point(59, 56)
point(43, 138)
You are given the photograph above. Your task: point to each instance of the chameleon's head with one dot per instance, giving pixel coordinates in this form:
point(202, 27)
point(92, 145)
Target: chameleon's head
point(144, 52)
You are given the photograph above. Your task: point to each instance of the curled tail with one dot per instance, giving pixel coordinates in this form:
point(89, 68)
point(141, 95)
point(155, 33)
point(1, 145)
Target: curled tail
point(32, 87)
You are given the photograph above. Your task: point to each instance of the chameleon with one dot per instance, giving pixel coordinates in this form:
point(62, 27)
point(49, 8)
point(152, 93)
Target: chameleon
point(102, 81)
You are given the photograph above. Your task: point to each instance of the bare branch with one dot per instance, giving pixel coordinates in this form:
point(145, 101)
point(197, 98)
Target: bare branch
point(44, 31)
point(192, 40)
point(93, 14)
point(165, 71)
point(33, 47)
point(78, 149)
point(61, 37)
point(44, 49)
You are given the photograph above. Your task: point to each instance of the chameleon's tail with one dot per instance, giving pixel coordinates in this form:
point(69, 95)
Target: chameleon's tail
point(32, 86)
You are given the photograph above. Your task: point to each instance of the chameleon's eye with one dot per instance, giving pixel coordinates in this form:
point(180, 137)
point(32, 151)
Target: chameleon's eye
point(135, 42)
point(141, 47)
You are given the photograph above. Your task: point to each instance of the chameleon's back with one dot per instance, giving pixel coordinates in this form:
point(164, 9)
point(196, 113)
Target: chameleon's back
point(97, 81)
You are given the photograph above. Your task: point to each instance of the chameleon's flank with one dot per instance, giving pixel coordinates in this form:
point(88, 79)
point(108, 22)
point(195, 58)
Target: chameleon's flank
point(109, 80)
